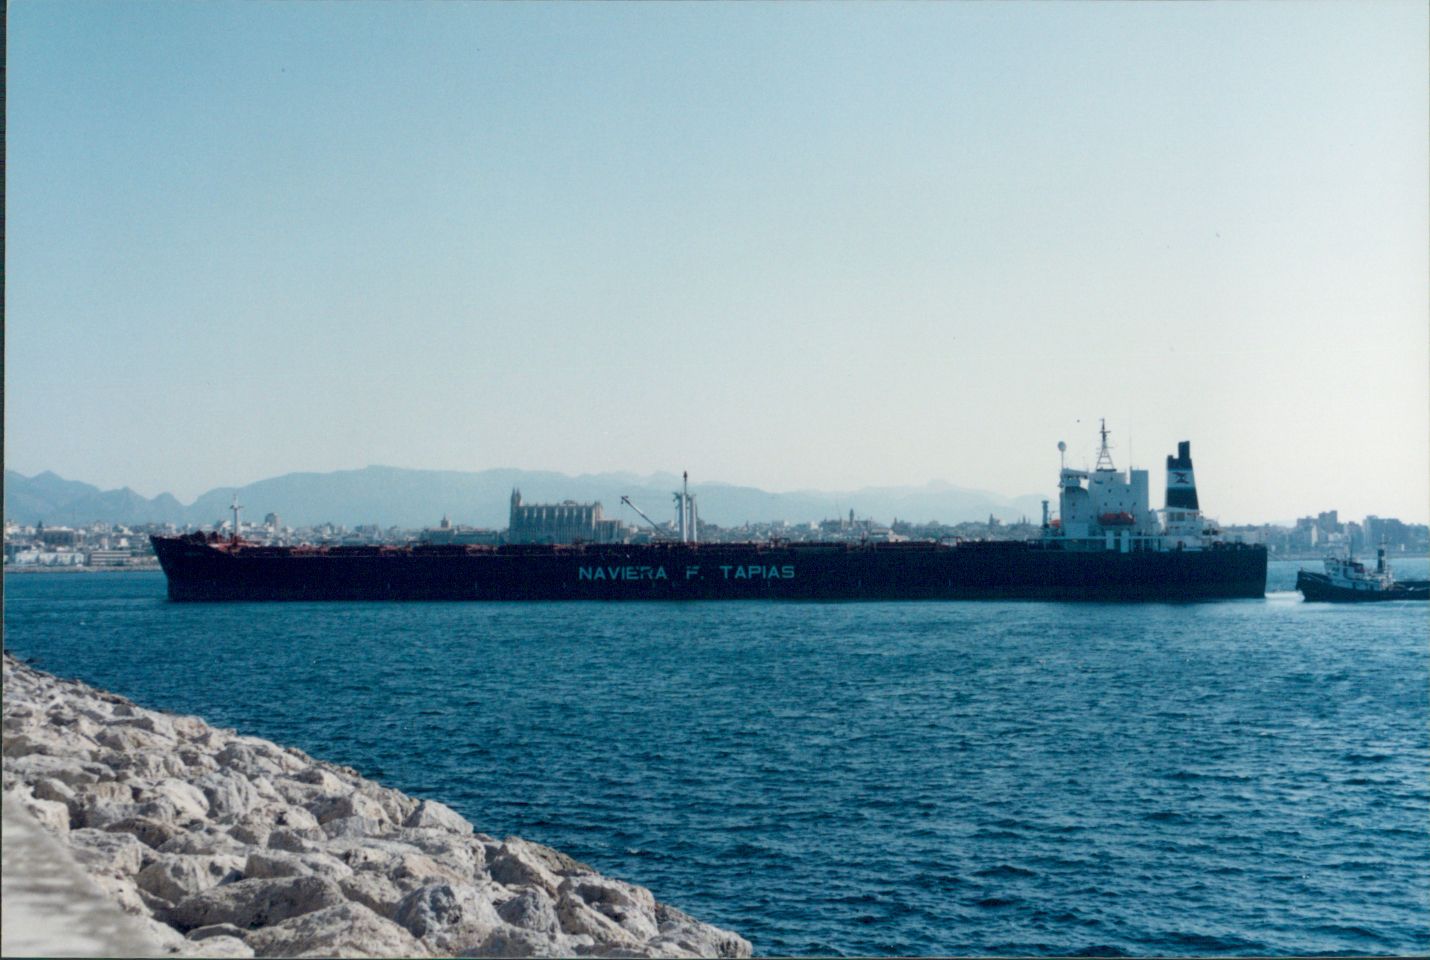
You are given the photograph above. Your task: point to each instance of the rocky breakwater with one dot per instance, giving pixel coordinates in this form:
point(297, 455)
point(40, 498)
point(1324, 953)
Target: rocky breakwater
point(228, 845)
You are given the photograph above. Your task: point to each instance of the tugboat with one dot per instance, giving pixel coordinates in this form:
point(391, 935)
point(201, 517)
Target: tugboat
point(1347, 580)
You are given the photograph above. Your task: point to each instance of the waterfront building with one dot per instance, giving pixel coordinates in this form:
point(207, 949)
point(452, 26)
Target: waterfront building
point(564, 522)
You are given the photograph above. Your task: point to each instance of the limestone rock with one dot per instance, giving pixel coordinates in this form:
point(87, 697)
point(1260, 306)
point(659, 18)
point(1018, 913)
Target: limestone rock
point(209, 840)
point(679, 930)
point(517, 942)
point(448, 917)
point(296, 840)
point(218, 946)
point(437, 816)
point(228, 794)
point(578, 917)
point(150, 831)
point(347, 805)
point(376, 891)
point(175, 876)
point(50, 814)
point(342, 930)
point(215, 930)
point(277, 863)
point(144, 766)
point(68, 769)
point(348, 827)
point(396, 805)
point(532, 909)
point(122, 738)
point(257, 849)
point(58, 791)
point(324, 780)
point(517, 862)
point(464, 854)
point(256, 903)
point(186, 799)
point(109, 854)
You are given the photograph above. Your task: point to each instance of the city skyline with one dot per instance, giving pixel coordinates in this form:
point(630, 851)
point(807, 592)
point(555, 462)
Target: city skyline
point(796, 248)
point(395, 497)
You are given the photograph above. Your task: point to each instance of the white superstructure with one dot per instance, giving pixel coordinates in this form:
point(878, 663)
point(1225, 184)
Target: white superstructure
point(1110, 509)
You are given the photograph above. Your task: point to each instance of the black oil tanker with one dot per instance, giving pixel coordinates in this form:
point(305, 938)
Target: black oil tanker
point(1105, 544)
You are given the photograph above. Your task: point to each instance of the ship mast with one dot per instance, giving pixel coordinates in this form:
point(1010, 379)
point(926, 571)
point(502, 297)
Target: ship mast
point(235, 506)
point(1104, 454)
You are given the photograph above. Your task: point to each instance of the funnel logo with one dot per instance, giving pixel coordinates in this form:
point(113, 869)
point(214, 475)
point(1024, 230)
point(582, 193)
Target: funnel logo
point(1181, 479)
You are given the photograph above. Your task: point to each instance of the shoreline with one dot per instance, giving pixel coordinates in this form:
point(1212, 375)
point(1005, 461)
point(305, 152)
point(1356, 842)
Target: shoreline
point(30, 568)
point(220, 844)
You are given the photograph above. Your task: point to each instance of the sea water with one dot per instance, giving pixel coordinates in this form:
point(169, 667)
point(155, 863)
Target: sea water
point(873, 778)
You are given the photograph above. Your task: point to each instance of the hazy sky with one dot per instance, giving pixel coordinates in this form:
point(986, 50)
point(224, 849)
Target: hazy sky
point(791, 245)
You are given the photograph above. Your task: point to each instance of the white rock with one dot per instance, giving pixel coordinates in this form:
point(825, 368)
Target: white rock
point(215, 930)
point(578, 917)
point(217, 946)
point(70, 770)
point(112, 854)
point(614, 898)
point(344, 806)
point(144, 766)
point(448, 917)
point(175, 876)
point(228, 794)
point(188, 800)
point(531, 909)
point(221, 835)
point(277, 863)
point(464, 854)
point(48, 788)
point(341, 930)
point(150, 831)
point(296, 841)
point(188, 727)
point(350, 827)
point(110, 791)
point(680, 930)
point(256, 903)
point(376, 891)
point(396, 805)
point(251, 756)
point(438, 816)
point(48, 742)
point(266, 790)
point(507, 941)
point(519, 863)
point(123, 738)
point(206, 840)
point(327, 783)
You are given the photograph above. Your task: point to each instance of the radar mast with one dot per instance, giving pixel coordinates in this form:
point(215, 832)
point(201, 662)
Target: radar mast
point(1104, 454)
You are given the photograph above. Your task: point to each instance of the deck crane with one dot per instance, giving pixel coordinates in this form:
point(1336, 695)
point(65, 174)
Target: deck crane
point(654, 526)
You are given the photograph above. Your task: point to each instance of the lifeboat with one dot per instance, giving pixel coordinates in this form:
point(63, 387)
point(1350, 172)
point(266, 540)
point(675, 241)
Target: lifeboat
point(1122, 519)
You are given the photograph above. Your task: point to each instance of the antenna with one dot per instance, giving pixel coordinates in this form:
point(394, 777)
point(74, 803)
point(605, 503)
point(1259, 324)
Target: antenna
point(1104, 456)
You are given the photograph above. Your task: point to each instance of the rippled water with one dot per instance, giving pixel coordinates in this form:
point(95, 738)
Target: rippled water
point(972, 778)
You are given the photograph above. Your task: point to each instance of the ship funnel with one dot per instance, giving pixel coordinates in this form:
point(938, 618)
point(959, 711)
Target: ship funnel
point(1181, 483)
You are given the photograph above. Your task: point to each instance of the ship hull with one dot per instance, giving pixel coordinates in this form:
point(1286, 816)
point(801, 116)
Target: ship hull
point(202, 571)
point(1318, 587)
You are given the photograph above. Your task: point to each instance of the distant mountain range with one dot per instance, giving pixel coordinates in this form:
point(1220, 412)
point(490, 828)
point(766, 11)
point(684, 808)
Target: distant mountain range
point(394, 496)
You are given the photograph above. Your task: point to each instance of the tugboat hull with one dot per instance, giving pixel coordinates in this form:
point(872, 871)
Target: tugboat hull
point(1318, 587)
